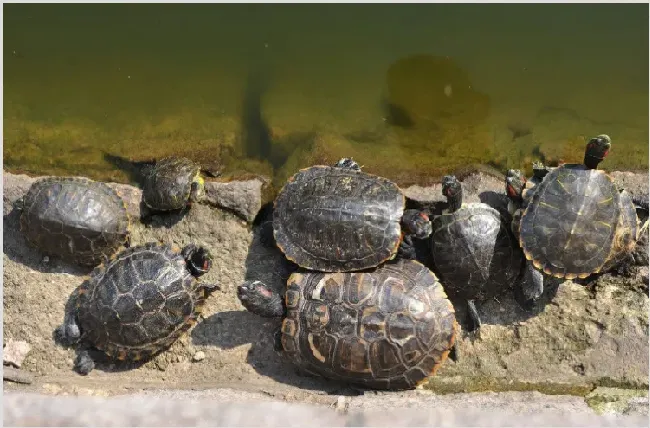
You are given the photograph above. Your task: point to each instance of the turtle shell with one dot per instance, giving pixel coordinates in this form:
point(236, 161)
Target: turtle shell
point(168, 184)
point(139, 303)
point(475, 253)
point(625, 239)
point(80, 220)
point(387, 328)
point(338, 220)
point(571, 222)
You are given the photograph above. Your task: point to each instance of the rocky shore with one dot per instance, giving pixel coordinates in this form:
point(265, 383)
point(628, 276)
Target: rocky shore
point(581, 338)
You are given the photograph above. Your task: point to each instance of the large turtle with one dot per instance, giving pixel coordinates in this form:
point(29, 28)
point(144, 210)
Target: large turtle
point(340, 219)
point(78, 219)
point(474, 251)
point(138, 304)
point(386, 328)
point(575, 222)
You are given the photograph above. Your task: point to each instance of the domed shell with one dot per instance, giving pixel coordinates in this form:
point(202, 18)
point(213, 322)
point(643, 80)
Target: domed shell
point(571, 223)
point(337, 219)
point(389, 328)
point(475, 253)
point(169, 183)
point(80, 220)
point(139, 303)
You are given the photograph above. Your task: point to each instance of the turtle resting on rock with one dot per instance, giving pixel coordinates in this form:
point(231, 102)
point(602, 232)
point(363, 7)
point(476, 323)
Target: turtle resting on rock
point(474, 251)
point(138, 304)
point(172, 183)
point(575, 222)
point(78, 219)
point(387, 328)
point(340, 219)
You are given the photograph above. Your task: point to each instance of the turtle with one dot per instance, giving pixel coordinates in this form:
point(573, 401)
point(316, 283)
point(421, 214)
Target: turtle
point(389, 327)
point(75, 218)
point(575, 222)
point(340, 219)
point(138, 304)
point(474, 252)
point(172, 183)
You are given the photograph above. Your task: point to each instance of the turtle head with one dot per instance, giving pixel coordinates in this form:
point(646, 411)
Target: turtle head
point(347, 163)
point(515, 182)
point(417, 224)
point(596, 150)
point(197, 189)
point(198, 259)
point(453, 191)
point(261, 300)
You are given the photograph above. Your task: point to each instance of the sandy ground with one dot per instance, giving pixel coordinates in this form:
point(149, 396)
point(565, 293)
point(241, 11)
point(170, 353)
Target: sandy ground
point(579, 337)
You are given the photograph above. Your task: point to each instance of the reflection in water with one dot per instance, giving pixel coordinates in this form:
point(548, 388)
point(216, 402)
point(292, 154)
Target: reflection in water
point(426, 91)
point(256, 134)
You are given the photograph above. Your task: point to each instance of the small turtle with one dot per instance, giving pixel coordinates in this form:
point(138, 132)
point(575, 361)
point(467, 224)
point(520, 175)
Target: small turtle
point(575, 222)
point(474, 251)
point(172, 183)
point(78, 219)
point(340, 219)
point(386, 328)
point(138, 304)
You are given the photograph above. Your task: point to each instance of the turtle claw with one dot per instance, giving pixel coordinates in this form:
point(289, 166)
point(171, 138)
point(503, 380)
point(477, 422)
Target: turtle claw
point(474, 318)
point(277, 340)
point(84, 363)
point(406, 249)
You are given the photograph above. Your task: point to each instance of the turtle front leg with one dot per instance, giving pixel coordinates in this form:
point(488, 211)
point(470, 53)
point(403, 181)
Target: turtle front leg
point(532, 284)
point(415, 224)
point(267, 238)
point(406, 249)
point(277, 340)
point(474, 317)
point(84, 363)
point(259, 299)
point(69, 333)
point(641, 202)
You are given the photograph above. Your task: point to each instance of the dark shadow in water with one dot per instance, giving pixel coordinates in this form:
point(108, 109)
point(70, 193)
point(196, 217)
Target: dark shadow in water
point(255, 133)
point(135, 170)
point(432, 93)
point(519, 130)
point(227, 330)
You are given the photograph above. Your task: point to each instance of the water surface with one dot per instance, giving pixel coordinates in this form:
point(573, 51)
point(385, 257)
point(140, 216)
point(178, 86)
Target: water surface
point(410, 91)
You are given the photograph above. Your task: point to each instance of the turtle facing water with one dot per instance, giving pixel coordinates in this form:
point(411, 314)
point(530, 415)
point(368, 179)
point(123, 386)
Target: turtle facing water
point(474, 251)
point(575, 221)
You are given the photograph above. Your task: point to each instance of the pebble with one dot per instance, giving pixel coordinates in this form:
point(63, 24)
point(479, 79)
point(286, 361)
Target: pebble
point(199, 356)
point(14, 352)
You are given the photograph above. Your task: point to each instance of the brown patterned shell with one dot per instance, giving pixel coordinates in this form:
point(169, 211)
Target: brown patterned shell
point(576, 223)
point(168, 185)
point(389, 328)
point(78, 219)
point(337, 219)
point(140, 303)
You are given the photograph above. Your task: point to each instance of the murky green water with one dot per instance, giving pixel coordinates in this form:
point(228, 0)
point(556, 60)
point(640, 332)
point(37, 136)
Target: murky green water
point(410, 91)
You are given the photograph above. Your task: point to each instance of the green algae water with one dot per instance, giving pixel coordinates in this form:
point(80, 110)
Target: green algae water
point(410, 91)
